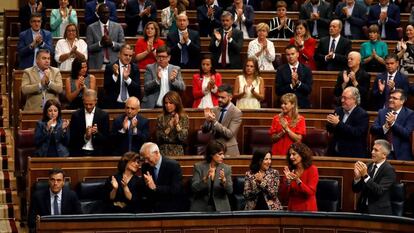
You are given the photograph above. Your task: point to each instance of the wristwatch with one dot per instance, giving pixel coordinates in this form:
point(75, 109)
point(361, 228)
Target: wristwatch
point(366, 176)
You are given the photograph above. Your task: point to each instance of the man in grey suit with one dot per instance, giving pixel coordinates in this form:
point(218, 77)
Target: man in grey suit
point(375, 180)
point(224, 122)
point(104, 39)
point(160, 78)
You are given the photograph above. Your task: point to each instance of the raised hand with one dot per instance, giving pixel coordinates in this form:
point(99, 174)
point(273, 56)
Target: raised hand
point(149, 181)
point(211, 173)
point(125, 123)
point(381, 85)
point(217, 35)
point(173, 75)
point(65, 124)
point(114, 183)
point(222, 176)
point(126, 72)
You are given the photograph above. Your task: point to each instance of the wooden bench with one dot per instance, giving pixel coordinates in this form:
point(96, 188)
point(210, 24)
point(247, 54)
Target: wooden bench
point(79, 169)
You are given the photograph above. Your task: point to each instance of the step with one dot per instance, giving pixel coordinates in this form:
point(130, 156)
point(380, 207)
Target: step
point(10, 211)
point(8, 196)
point(6, 163)
point(6, 150)
point(6, 136)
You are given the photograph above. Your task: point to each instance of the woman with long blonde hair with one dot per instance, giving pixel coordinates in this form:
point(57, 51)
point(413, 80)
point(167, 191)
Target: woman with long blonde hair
point(288, 126)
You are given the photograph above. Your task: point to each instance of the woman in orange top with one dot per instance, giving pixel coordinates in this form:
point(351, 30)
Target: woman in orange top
point(145, 48)
point(288, 126)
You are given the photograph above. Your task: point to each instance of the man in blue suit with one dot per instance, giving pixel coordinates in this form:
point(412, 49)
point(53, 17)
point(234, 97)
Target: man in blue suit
point(387, 16)
point(388, 81)
point(31, 40)
point(137, 14)
point(349, 126)
point(396, 123)
point(91, 9)
point(129, 130)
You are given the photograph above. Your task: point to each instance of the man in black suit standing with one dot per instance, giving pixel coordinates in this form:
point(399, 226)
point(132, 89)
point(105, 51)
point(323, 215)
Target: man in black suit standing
point(89, 128)
point(353, 17)
point(129, 130)
point(184, 44)
point(349, 126)
point(55, 200)
point(226, 44)
point(121, 79)
point(208, 17)
point(317, 14)
point(137, 14)
point(294, 77)
point(374, 181)
point(163, 181)
point(26, 11)
point(333, 50)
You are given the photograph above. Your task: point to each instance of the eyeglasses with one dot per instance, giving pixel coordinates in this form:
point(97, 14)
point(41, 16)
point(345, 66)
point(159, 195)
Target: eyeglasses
point(162, 57)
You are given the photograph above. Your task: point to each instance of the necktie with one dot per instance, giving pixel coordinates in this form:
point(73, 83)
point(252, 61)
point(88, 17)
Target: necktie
point(332, 49)
point(222, 112)
point(155, 174)
point(184, 54)
point(389, 133)
point(293, 69)
point(123, 85)
point(56, 206)
point(106, 50)
point(130, 136)
point(223, 50)
point(372, 172)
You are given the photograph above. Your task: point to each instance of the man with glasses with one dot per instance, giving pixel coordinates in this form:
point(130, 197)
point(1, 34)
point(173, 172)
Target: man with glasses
point(396, 124)
point(388, 81)
point(349, 126)
point(130, 130)
point(160, 78)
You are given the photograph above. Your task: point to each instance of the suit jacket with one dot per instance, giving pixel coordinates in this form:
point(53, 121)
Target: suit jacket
point(376, 190)
point(30, 87)
point(169, 194)
point(255, 4)
point(357, 19)
point(27, 54)
point(173, 39)
point(392, 22)
point(234, 49)
point(349, 137)
point(152, 86)
point(78, 129)
point(56, 21)
point(202, 190)
point(401, 132)
point(401, 81)
point(40, 204)
point(120, 139)
point(90, 12)
point(96, 52)
point(24, 17)
point(112, 88)
point(206, 24)
point(248, 13)
point(226, 131)
point(132, 18)
point(43, 139)
point(284, 79)
point(325, 14)
point(343, 47)
point(363, 79)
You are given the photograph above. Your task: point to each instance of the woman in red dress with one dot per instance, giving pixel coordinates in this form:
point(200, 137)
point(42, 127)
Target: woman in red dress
point(306, 44)
point(145, 47)
point(288, 126)
point(301, 179)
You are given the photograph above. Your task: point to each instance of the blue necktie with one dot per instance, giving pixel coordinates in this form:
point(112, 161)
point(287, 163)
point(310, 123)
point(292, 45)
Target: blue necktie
point(123, 86)
point(155, 174)
point(222, 111)
point(56, 206)
point(184, 54)
point(332, 49)
point(130, 136)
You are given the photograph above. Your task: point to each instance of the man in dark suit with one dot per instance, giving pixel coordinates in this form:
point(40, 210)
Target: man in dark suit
point(349, 126)
point(396, 124)
point(129, 130)
point(226, 44)
point(163, 181)
point(243, 16)
point(294, 77)
point(224, 122)
point(89, 128)
point(121, 79)
point(31, 40)
point(255, 4)
point(333, 50)
point(387, 16)
point(184, 44)
point(26, 11)
point(208, 17)
point(55, 200)
point(388, 81)
point(137, 14)
point(353, 17)
point(91, 9)
point(318, 14)
point(374, 181)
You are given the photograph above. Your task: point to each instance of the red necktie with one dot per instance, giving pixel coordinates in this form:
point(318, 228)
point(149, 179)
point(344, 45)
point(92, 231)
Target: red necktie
point(223, 50)
point(106, 50)
point(293, 69)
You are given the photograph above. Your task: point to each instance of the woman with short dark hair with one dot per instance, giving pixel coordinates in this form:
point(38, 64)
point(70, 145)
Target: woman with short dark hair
point(211, 183)
point(145, 48)
point(261, 183)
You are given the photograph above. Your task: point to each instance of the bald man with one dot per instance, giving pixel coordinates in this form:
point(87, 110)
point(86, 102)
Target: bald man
point(333, 50)
point(353, 76)
point(184, 44)
point(129, 130)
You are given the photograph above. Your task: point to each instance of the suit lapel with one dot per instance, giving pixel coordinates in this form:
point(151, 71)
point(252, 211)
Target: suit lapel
point(47, 200)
